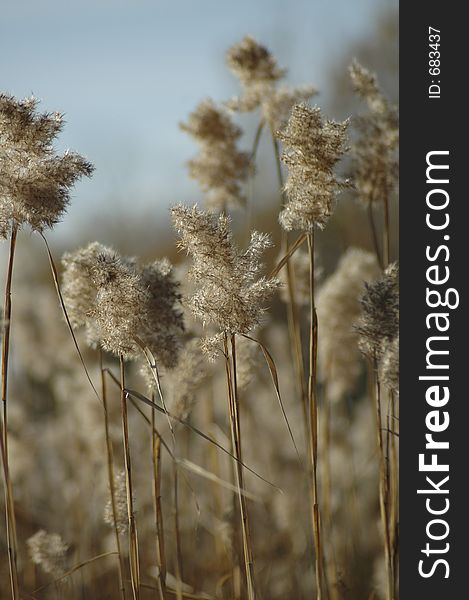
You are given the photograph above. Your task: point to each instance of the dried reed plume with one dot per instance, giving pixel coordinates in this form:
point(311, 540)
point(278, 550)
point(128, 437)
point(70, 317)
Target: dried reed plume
point(186, 379)
point(374, 152)
point(338, 307)
point(35, 182)
point(220, 168)
point(230, 293)
point(122, 304)
point(257, 70)
point(379, 321)
point(48, 551)
point(252, 63)
point(120, 499)
point(389, 365)
point(312, 147)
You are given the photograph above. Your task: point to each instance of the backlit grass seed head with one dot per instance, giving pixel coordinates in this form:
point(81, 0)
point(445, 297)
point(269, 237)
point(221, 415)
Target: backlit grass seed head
point(257, 70)
point(209, 124)
point(78, 289)
point(252, 63)
point(230, 292)
point(338, 308)
point(389, 365)
point(366, 86)
point(163, 319)
point(221, 175)
point(259, 75)
point(220, 168)
point(312, 147)
point(120, 499)
point(374, 151)
point(122, 304)
point(34, 181)
point(248, 361)
point(48, 551)
point(379, 321)
point(186, 379)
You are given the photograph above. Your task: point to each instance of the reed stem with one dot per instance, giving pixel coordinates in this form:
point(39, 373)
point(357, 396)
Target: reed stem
point(374, 233)
point(386, 232)
point(110, 470)
point(160, 548)
point(177, 533)
point(233, 401)
point(133, 541)
point(383, 488)
point(313, 423)
point(10, 518)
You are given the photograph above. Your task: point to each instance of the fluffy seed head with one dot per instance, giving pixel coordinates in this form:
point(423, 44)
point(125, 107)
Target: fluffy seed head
point(120, 499)
point(389, 365)
point(374, 151)
point(220, 168)
point(35, 182)
point(48, 551)
point(209, 124)
point(252, 63)
point(187, 378)
point(231, 293)
point(338, 308)
point(379, 321)
point(312, 147)
point(122, 304)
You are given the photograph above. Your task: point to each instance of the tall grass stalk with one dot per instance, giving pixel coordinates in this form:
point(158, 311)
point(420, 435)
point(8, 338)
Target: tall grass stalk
point(394, 491)
point(156, 472)
point(177, 533)
point(233, 405)
point(133, 541)
point(110, 470)
point(386, 232)
point(383, 488)
point(313, 423)
point(331, 569)
point(9, 499)
point(374, 233)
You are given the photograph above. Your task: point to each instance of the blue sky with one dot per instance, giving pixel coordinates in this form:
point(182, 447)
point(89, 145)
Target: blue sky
point(126, 72)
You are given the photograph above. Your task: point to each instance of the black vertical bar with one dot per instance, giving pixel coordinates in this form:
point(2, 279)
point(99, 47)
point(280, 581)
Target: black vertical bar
point(433, 119)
